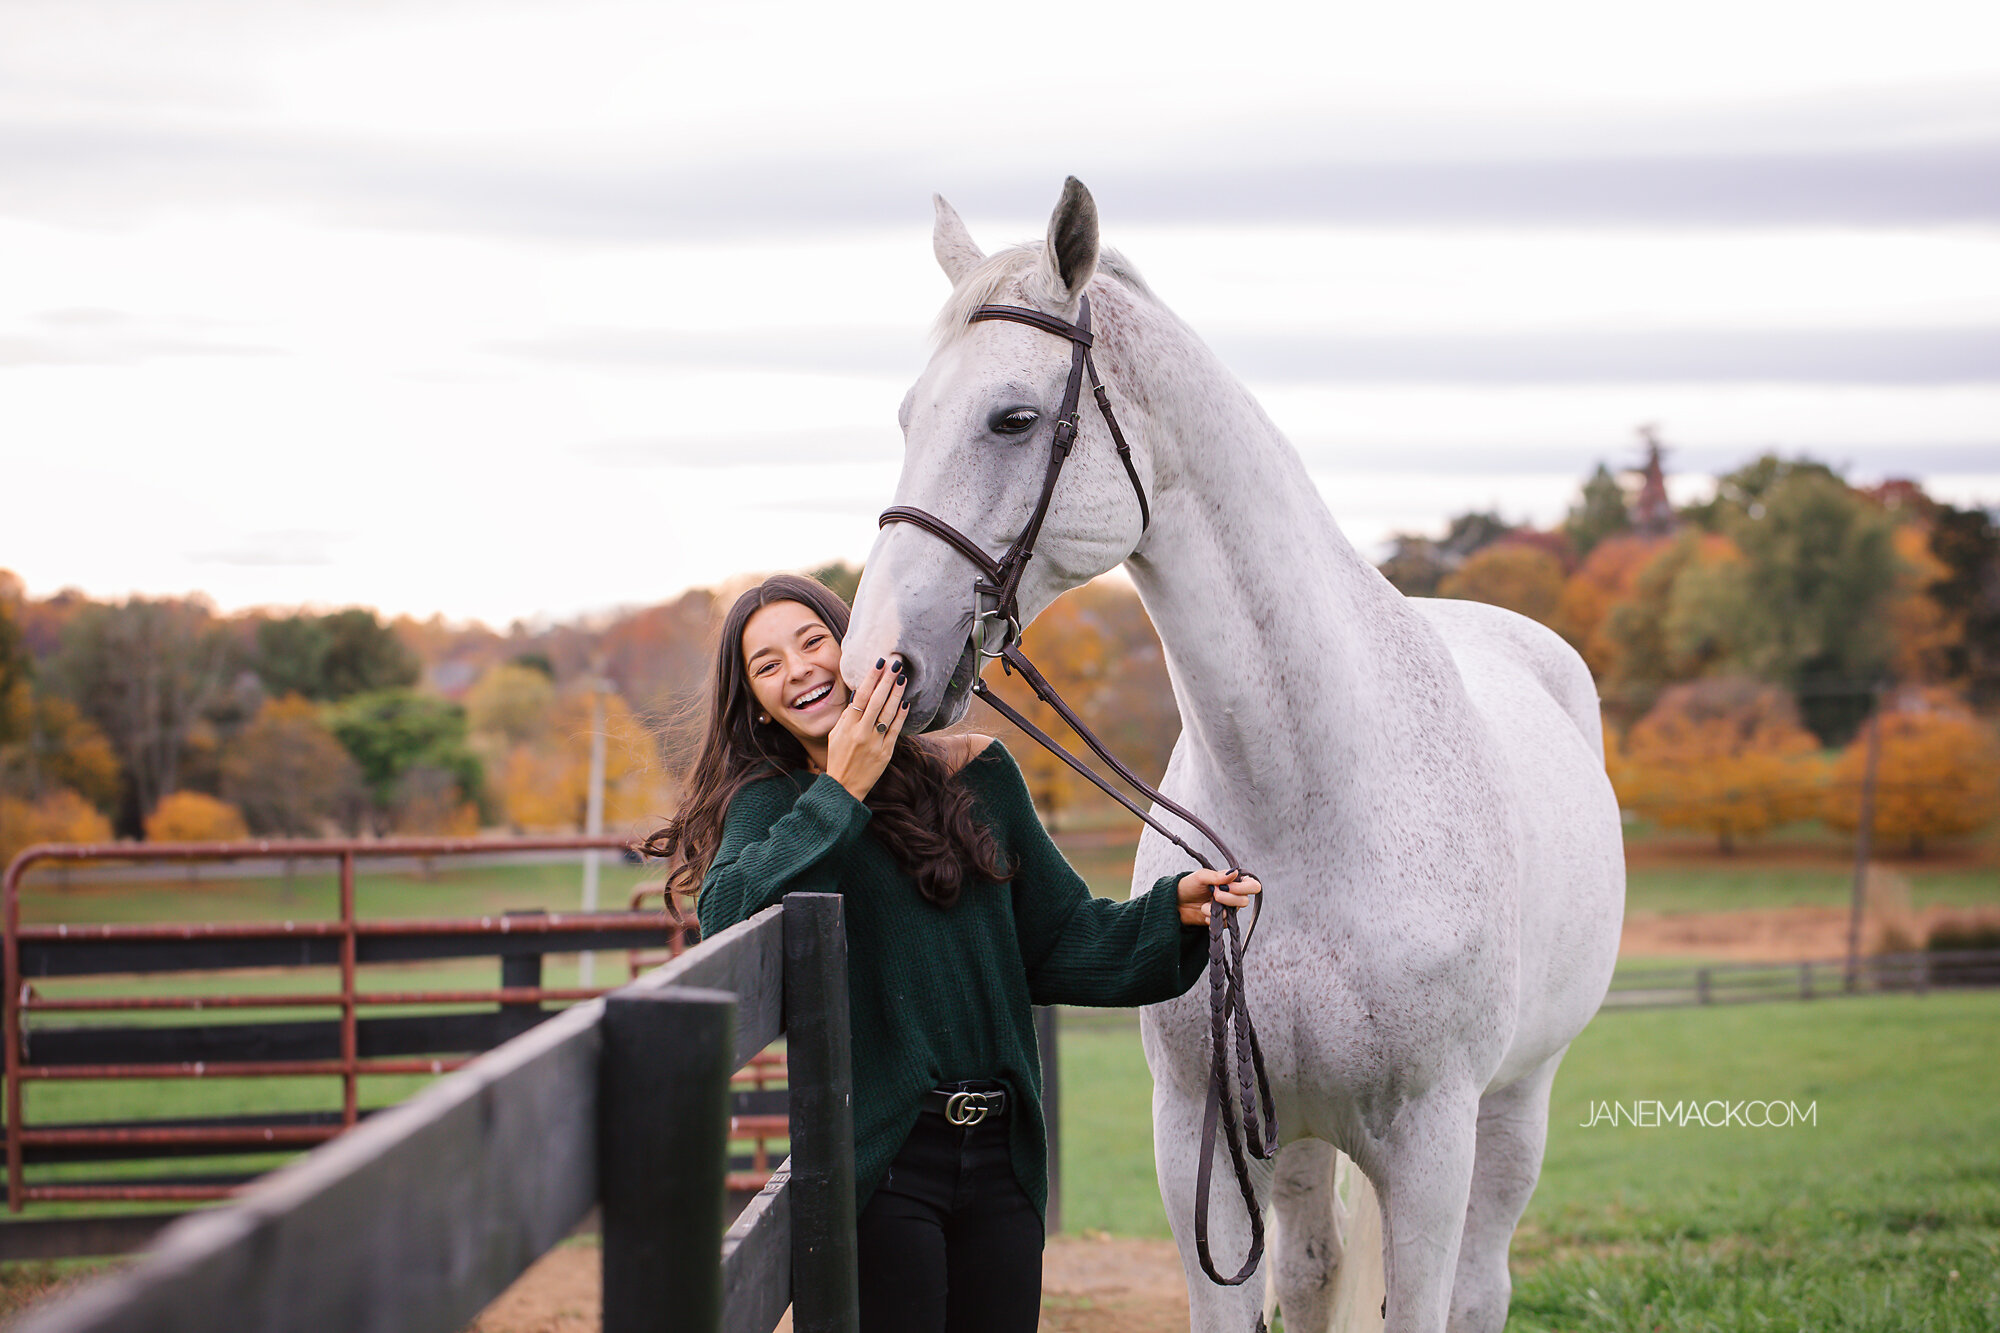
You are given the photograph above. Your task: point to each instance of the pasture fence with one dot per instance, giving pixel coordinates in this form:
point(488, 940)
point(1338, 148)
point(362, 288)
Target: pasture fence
point(155, 1004)
point(415, 1219)
point(1652, 985)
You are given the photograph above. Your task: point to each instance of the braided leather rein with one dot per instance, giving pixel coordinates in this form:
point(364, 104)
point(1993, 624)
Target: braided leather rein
point(1229, 1012)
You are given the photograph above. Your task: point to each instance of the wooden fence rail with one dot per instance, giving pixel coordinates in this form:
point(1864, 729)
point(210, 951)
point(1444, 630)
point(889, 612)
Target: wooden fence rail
point(1665, 984)
point(417, 1218)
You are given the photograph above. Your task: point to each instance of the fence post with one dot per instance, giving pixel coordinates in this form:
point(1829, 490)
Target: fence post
point(1701, 986)
point(663, 1137)
point(1805, 981)
point(1046, 1039)
point(826, 1296)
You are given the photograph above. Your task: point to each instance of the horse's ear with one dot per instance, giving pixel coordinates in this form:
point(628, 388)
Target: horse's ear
point(1070, 258)
point(956, 251)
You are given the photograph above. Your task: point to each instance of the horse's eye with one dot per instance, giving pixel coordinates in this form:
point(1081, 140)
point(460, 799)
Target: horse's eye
point(1016, 421)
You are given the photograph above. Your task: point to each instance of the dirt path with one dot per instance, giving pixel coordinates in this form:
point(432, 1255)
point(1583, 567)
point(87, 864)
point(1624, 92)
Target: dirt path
point(1090, 1284)
point(1769, 935)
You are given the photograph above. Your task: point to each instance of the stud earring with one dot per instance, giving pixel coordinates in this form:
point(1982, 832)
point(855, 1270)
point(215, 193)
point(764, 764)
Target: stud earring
point(763, 717)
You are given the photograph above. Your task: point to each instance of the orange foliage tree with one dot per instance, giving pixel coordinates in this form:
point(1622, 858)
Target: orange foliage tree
point(1516, 575)
point(1938, 775)
point(1922, 632)
point(1069, 644)
point(1725, 755)
point(190, 816)
point(59, 815)
point(287, 773)
point(1605, 578)
point(545, 779)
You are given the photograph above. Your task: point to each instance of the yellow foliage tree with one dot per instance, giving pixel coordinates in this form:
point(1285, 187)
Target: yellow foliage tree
point(191, 816)
point(1923, 631)
point(1725, 755)
point(1938, 775)
point(1069, 646)
point(57, 816)
point(545, 780)
point(1604, 578)
point(1515, 575)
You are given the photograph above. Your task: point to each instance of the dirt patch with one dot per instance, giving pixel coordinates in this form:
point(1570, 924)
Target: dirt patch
point(1764, 935)
point(1090, 1284)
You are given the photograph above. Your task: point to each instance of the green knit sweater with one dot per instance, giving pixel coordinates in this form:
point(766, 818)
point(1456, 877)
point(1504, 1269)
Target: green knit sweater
point(939, 995)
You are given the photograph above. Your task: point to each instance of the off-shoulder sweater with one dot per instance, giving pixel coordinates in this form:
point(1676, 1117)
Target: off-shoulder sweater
point(941, 995)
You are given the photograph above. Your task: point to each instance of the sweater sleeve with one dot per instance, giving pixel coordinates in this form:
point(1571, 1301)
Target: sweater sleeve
point(777, 840)
point(1081, 949)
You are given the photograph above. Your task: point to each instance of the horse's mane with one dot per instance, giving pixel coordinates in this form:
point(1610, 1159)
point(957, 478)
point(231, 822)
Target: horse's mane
point(1017, 262)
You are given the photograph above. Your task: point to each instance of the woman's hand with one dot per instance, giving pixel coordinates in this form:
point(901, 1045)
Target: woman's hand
point(859, 746)
point(1200, 890)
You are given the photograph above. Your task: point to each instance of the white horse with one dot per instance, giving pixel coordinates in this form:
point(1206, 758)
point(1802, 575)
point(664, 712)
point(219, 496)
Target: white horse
point(1419, 784)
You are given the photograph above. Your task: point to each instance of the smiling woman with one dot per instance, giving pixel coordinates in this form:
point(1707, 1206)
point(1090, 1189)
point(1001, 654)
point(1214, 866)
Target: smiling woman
point(961, 915)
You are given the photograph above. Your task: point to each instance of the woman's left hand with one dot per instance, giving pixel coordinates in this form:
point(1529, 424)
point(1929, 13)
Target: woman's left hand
point(1200, 890)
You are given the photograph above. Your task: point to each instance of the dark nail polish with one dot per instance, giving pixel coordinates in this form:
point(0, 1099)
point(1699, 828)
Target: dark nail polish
point(906, 703)
point(899, 664)
point(900, 678)
point(878, 663)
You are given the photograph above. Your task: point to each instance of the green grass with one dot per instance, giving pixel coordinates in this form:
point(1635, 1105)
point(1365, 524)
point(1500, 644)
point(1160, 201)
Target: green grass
point(1721, 887)
point(1854, 1223)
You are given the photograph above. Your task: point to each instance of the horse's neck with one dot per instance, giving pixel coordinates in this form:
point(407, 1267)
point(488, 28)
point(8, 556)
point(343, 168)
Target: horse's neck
point(1291, 657)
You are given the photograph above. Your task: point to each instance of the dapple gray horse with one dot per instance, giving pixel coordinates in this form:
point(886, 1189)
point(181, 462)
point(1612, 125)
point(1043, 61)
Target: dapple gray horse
point(1419, 784)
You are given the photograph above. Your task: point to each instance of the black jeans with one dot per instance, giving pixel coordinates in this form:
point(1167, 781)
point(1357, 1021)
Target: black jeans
point(950, 1243)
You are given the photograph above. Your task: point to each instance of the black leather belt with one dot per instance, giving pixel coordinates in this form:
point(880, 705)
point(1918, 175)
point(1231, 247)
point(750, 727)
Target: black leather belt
point(966, 1107)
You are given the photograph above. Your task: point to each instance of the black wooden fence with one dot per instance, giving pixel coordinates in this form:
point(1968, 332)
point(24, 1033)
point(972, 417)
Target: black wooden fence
point(1659, 984)
point(416, 1219)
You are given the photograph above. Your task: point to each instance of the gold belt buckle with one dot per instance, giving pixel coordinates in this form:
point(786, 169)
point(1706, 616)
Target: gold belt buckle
point(959, 1109)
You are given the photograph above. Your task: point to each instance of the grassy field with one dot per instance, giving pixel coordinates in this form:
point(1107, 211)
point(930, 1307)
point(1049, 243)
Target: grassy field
point(1884, 1214)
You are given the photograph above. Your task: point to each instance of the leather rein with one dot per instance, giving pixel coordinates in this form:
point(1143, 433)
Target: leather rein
point(999, 582)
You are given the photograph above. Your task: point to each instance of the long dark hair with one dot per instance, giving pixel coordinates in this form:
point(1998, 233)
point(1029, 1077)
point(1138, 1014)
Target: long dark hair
point(922, 813)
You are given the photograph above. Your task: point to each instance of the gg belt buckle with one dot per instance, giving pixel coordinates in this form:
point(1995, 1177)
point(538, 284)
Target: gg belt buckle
point(965, 1108)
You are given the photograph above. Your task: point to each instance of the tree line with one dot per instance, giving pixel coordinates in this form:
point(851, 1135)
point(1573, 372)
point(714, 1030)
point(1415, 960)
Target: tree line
point(1739, 644)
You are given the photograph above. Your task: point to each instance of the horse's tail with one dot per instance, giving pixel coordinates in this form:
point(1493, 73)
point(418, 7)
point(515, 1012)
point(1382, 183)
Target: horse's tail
point(1353, 1269)
point(1360, 1285)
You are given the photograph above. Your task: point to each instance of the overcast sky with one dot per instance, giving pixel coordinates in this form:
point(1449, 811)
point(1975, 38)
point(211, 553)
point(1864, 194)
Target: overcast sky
point(516, 310)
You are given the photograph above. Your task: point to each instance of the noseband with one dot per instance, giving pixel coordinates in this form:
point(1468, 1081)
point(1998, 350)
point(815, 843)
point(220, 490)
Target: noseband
point(1000, 582)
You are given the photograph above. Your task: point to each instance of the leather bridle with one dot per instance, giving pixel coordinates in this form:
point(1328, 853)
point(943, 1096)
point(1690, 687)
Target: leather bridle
point(1000, 582)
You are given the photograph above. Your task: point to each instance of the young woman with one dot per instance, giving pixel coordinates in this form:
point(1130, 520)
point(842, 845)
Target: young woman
point(961, 915)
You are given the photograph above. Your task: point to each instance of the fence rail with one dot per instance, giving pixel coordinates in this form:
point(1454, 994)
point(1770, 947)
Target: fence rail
point(316, 1027)
point(414, 1220)
point(1668, 984)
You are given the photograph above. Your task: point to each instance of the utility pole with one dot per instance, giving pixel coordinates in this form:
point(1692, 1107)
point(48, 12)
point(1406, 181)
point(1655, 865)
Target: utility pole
point(1864, 842)
point(593, 819)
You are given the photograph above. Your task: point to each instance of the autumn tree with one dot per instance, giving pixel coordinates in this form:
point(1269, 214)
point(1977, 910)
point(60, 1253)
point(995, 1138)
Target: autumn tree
point(392, 734)
point(58, 815)
point(1514, 575)
point(1605, 578)
point(191, 816)
point(333, 656)
point(1967, 543)
point(1598, 514)
point(1938, 774)
point(58, 747)
point(511, 703)
point(1807, 605)
point(545, 777)
point(1638, 649)
point(1725, 755)
point(144, 672)
point(1068, 644)
point(287, 773)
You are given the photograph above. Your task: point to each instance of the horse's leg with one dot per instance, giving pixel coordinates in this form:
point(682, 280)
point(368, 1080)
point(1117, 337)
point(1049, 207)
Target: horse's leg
point(1422, 1160)
point(1513, 1127)
point(1306, 1235)
point(1176, 1155)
